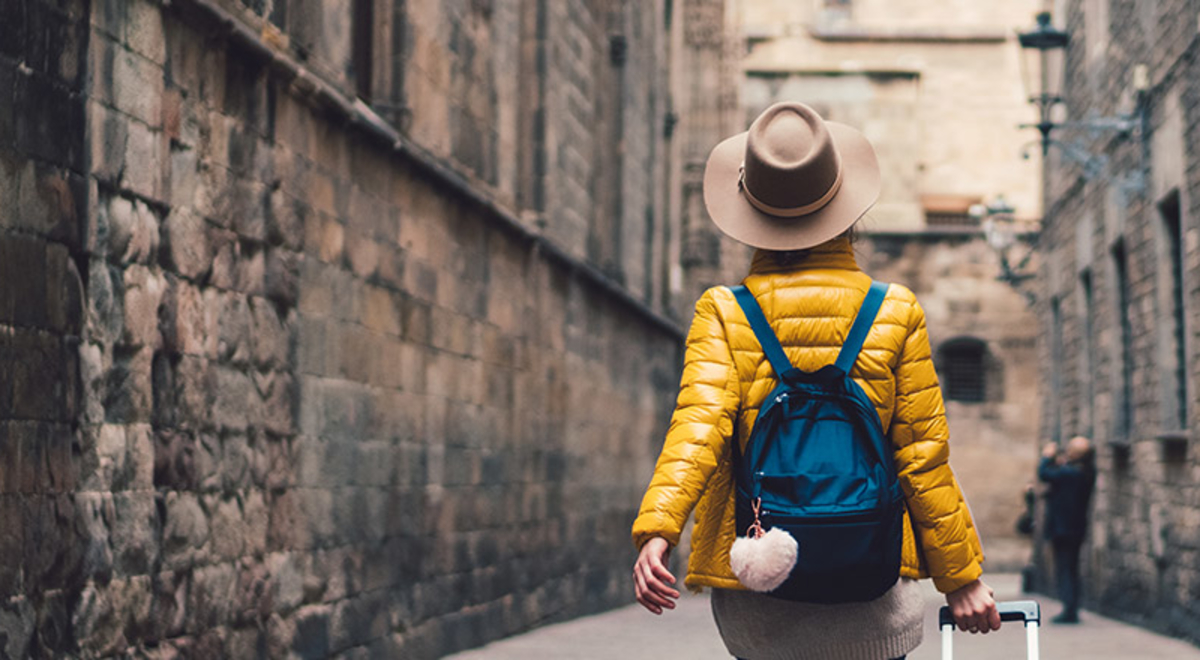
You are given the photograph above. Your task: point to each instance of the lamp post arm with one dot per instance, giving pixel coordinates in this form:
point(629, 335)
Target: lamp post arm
point(1093, 166)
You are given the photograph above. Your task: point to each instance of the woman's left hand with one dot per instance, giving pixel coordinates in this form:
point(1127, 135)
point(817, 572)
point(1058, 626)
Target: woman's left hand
point(650, 576)
point(974, 608)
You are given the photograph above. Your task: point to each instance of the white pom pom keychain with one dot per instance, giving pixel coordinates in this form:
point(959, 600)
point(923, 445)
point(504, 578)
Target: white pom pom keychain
point(763, 560)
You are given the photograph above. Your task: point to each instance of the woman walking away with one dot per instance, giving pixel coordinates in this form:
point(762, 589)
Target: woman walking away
point(813, 526)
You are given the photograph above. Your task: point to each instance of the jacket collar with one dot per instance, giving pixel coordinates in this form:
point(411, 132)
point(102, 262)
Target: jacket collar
point(836, 254)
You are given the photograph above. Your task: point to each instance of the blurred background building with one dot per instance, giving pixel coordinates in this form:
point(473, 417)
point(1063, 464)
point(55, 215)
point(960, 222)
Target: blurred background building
point(1119, 297)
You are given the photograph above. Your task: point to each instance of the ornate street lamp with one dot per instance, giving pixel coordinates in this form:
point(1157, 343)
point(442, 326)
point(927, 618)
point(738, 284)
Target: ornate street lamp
point(1048, 45)
point(1003, 232)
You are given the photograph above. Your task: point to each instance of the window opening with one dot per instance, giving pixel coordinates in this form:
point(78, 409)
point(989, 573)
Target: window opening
point(963, 366)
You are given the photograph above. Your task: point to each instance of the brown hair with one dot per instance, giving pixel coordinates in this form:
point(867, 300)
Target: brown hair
point(794, 257)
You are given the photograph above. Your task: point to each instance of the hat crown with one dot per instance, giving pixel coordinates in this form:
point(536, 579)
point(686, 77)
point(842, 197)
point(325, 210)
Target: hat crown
point(791, 163)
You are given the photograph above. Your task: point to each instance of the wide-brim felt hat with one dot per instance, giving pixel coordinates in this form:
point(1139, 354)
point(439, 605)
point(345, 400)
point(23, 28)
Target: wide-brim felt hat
point(792, 181)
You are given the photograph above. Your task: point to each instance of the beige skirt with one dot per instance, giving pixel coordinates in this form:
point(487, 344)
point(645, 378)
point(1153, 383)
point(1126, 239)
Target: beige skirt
point(759, 627)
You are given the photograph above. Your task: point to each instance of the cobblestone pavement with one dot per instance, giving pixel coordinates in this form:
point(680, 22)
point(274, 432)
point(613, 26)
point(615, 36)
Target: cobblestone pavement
point(688, 632)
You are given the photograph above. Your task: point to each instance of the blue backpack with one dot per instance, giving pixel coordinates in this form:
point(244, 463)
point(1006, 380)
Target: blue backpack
point(818, 465)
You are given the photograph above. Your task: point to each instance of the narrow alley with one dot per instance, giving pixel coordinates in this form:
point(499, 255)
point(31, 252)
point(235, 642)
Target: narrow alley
point(631, 633)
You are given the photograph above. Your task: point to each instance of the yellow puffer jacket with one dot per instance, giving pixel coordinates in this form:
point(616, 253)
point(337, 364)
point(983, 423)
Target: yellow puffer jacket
point(726, 377)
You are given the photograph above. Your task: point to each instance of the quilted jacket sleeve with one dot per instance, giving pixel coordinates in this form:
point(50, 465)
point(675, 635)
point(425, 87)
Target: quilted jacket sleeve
point(700, 428)
point(941, 520)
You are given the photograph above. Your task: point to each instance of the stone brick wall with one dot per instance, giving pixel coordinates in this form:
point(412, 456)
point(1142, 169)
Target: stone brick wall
point(272, 385)
point(43, 275)
point(706, 90)
point(1142, 557)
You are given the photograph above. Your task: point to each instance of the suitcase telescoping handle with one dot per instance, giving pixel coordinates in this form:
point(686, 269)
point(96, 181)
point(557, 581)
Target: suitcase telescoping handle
point(1014, 610)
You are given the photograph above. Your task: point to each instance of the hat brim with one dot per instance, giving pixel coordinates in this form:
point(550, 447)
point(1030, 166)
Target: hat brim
point(738, 219)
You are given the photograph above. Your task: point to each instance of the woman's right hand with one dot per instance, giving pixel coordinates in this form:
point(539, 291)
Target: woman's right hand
point(974, 608)
point(650, 576)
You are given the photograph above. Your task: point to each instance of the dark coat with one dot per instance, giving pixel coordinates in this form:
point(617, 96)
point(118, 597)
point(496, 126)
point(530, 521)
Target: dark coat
point(1067, 502)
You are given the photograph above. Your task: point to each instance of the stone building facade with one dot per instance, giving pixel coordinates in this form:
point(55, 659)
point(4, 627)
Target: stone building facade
point(706, 108)
point(937, 88)
point(1119, 302)
point(327, 329)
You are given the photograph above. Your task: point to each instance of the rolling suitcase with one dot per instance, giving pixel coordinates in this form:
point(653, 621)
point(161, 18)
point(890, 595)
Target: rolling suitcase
point(1014, 610)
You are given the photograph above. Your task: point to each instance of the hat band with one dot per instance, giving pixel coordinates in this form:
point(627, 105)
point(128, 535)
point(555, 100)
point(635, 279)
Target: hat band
point(792, 211)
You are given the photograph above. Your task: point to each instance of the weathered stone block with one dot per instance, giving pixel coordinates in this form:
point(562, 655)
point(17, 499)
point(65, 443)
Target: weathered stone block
point(183, 319)
point(253, 593)
point(50, 201)
point(94, 512)
point(283, 530)
point(52, 553)
point(285, 581)
point(417, 319)
point(278, 393)
point(135, 532)
point(168, 608)
point(246, 642)
point(257, 517)
point(281, 279)
point(356, 352)
point(175, 460)
point(64, 289)
point(132, 230)
point(194, 391)
point(363, 255)
point(144, 30)
point(381, 311)
point(185, 530)
point(316, 516)
point(228, 527)
point(49, 121)
point(185, 243)
point(271, 338)
point(210, 599)
point(128, 395)
point(345, 411)
point(331, 240)
point(23, 289)
point(356, 621)
point(285, 218)
point(108, 133)
point(226, 251)
point(133, 84)
point(237, 403)
point(250, 273)
point(17, 625)
point(11, 454)
point(421, 280)
point(148, 148)
point(234, 328)
point(312, 636)
point(62, 471)
point(144, 290)
point(105, 317)
point(12, 544)
point(235, 459)
point(97, 621)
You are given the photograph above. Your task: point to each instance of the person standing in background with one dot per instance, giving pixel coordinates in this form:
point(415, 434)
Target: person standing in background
point(1071, 476)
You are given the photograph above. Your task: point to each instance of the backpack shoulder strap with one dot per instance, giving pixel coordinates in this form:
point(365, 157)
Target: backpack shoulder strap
point(762, 330)
point(862, 326)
